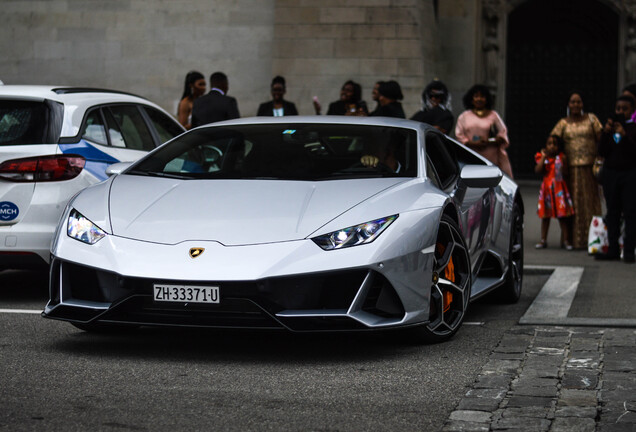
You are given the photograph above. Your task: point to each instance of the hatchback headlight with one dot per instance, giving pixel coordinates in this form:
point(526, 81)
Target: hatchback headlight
point(355, 235)
point(82, 229)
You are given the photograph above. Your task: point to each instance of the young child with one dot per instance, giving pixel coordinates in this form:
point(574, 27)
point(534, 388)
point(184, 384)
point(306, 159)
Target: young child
point(554, 198)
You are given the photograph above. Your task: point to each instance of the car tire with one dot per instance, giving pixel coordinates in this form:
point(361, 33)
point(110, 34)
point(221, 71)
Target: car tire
point(450, 285)
point(510, 291)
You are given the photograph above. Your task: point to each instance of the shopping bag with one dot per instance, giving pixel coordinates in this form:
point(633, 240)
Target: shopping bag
point(597, 240)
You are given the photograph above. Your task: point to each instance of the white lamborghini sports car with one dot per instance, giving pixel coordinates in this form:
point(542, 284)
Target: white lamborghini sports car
point(298, 223)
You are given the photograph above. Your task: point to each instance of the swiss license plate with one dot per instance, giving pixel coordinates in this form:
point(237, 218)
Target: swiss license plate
point(186, 293)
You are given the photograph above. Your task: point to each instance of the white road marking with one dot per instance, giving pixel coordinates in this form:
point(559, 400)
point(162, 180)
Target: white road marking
point(552, 304)
point(556, 296)
point(21, 311)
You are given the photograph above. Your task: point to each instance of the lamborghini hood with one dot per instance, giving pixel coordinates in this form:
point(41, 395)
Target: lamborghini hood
point(232, 212)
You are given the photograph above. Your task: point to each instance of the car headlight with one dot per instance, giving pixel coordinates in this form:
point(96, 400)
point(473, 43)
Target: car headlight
point(82, 229)
point(355, 235)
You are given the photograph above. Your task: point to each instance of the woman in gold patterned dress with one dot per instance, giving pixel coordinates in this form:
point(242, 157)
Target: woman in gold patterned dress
point(580, 132)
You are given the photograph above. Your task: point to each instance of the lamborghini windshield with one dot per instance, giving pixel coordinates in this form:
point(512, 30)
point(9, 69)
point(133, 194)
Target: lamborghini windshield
point(286, 152)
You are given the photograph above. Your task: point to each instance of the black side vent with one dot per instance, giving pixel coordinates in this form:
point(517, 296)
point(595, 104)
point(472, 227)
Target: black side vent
point(490, 267)
point(382, 300)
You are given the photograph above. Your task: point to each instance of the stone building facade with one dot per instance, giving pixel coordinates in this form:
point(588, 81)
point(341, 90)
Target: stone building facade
point(147, 47)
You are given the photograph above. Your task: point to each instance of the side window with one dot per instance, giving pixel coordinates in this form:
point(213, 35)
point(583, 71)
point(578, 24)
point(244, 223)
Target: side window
point(166, 128)
point(116, 138)
point(464, 157)
point(442, 160)
point(431, 174)
point(132, 128)
point(94, 129)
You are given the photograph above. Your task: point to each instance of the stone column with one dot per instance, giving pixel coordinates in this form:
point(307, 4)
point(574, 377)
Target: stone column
point(630, 47)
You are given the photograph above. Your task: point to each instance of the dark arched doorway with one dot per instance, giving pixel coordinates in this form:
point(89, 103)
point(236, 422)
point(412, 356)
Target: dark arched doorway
point(555, 46)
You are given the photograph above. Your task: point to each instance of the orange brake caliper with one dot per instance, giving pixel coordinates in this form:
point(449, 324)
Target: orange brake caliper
point(449, 273)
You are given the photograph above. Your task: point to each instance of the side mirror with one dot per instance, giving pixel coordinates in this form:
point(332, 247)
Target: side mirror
point(117, 168)
point(481, 176)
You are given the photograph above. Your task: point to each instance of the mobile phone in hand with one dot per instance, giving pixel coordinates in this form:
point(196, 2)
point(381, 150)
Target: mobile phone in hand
point(619, 118)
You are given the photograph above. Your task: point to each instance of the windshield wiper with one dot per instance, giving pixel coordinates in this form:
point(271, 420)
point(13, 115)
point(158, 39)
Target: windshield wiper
point(244, 177)
point(160, 174)
point(344, 175)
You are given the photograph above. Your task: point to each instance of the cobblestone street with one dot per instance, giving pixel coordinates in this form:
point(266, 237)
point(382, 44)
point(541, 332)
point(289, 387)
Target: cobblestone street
point(554, 379)
point(571, 363)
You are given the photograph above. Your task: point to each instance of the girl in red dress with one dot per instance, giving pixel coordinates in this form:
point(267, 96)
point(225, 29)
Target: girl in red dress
point(554, 198)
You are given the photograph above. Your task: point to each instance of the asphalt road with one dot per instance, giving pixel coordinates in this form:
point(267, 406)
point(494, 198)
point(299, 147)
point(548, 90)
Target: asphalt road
point(56, 377)
point(606, 289)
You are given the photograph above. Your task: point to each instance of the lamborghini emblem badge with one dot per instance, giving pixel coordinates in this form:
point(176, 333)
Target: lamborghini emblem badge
point(195, 252)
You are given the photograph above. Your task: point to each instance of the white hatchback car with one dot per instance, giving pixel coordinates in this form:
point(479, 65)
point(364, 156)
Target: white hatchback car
point(54, 142)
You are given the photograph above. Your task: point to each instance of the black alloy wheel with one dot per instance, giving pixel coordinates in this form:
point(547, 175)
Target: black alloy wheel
point(450, 285)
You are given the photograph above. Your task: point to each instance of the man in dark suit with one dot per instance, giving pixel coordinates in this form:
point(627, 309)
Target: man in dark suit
point(618, 147)
point(215, 106)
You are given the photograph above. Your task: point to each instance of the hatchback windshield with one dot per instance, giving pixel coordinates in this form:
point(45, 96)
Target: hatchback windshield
point(285, 152)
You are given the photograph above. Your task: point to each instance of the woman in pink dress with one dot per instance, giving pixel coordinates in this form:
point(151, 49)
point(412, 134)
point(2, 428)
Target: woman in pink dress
point(480, 128)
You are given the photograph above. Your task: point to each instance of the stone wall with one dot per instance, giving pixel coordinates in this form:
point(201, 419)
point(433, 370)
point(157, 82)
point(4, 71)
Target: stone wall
point(140, 46)
point(147, 46)
point(320, 44)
